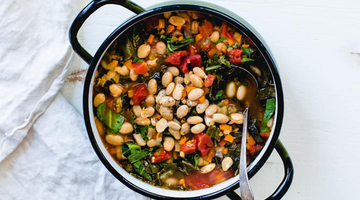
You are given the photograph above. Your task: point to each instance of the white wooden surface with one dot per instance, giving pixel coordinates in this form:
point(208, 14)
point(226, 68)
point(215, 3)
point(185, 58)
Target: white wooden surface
point(317, 47)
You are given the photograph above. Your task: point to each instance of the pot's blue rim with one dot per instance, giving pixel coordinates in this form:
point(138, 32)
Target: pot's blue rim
point(260, 45)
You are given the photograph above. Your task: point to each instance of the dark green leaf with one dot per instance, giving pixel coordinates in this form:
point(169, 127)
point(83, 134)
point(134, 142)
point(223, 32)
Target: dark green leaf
point(196, 161)
point(133, 152)
point(220, 40)
point(137, 59)
point(246, 60)
point(212, 67)
point(266, 93)
point(254, 131)
point(140, 169)
point(213, 132)
point(175, 45)
point(112, 119)
point(220, 95)
point(269, 111)
point(223, 61)
point(128, 49)
point(235, 46)
point(246, 50)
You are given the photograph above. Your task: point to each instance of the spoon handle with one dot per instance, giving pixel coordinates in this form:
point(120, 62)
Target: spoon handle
point(245, 188)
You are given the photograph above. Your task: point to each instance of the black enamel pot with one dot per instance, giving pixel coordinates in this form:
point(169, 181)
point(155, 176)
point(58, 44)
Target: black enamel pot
point(224, 188)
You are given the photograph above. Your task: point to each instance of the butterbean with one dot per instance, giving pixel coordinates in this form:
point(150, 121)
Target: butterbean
point(220, 118)
point(194, 120)
point(195, 94)
point(160, 95)
point(175, 133)
point(230, 89)
point(114, 139)
point(166, 79)
point(167, 101)
point(215, 36)
point(142, 121)
point(191, 103)
point(152, 86)
point(176, 20)
point(153, 143)
point(207, 168)
point(241, 92)
point(137, 110)
point(169, 143)
point(196, 80)
point(99, 99)
point(139, 140)
point(173, 125)
point(150, 100)
point(160, 48)
point(178, 91)
point(126, 128)
point(143, 51)
point(115, 90)
point(201, 107)
point(178, 80)
point(133, 75)
point(185, 129)
point(170, 88)
point(211, 110)
point(198, 128)
point(237, 118)
point(227, 163)
point(187, 78)
point(174, 71)
point(166, 112)
point(100, 126)
point(198, 71)
point(208, 120)
point(182, 111)
point(161, 125)
point(147, 112)
point(124, 71)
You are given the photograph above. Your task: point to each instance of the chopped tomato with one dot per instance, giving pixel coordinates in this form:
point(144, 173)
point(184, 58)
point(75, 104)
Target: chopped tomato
point(140, 67)
point(226, 34)
point(254, 148)
point(140, 93)
point(208, 157)
point(188, 147)
point(235, 56)
point(222, 142)
point(161, 156)
point(175, 57)
point(209, 80)
point(193, 49)
point(193, 61)
point(265, 134)
point(111, 104)
point(197, 180)
point(204, 143)
point(206, 29)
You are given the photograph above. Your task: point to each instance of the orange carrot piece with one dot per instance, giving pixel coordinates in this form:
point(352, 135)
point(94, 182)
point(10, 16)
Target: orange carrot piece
point(189, 88)
point(128, 64)
point(251, 141)
point(170, 28)
point(229, 138)
point(183, 140)
point(265, 134)
point(225, 151)
point(198, 37)
point(225, 127)
point(201, 99)
point(151, 39)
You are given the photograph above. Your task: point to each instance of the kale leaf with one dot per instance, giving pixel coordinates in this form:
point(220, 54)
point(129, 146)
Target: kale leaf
point(269, 111)
point(112, 119)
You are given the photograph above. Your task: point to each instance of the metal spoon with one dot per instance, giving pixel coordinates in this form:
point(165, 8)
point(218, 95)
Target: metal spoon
point(245, 188)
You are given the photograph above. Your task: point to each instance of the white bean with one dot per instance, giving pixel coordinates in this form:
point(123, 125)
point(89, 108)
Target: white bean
point(166, 112)
point(124, 71)
point(226, 163)
point(174, 71)
point(166, 79)
point(182, 111)
point(208, 120)
point(215, 36)
point(198, 71)
point(114, 139)
point(161, 125)
point(196, 80)
point(241, 92)
point(142, 121)
point(169, 143)
point(270, 122)
point(237, 118)
point(99, 99)
point(230, 89)
point(137, 110)
point(195, 94)
point(133, 75)
point(256, 70)
point(178, 80)
point(152, 86)
point(160, 48)
point(201, 107)
point(191, 103)
point(187, 78)
point(220, 118)
point(176, 20)
point(160, 95)
point(126, 128)
point(143, 51)
point(175, 133)
point(221, 47)
point(139, 140)
point(167, 101)
point(170, 88)
point(150, 100)
point(185, 129)
point(153, 143)
point(178, 91)
point(100, 126)
point(207, 168)
point(211, 110)
point(194, 120)
point(173, 125)
point(119, 154)
point(147, 112)
point(198, 128)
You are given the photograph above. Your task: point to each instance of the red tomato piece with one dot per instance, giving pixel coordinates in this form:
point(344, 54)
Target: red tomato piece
point(188, 147)
point(111, 104)
point(161, 156)
point(255, 148)
point(140, 67)
point(226, 34)
point(206, 29)
point(193, 61)
point(193, 49)
point(140, 93)
point(209, 80)
point(222, 142)
point(204, 143)
point(235, 56)
point(175, 57)
point(209, 156)
point(197, 180)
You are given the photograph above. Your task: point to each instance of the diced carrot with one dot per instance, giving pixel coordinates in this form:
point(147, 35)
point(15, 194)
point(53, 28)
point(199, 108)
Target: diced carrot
point(198, 37)
point(183, 140)
point(174, 38)
point(245, 45)
point(226, 128)
point(162, 31)
point(237, 37)
point(128, 64)
point(113, 64)
point(231, 42)
point(182, 182)
point(131, 93)
point(180, 38)
point(235, 130)
point(201, 99)
point(189, 88)
point(251, 141)
point(151, 39)
point(265, 134)
point(170, 28)
point(226, 102)
point(225, 151)
point(161, 24)
point(146, 74)
point(244, 56)
point(178, 27)
point(229, 138)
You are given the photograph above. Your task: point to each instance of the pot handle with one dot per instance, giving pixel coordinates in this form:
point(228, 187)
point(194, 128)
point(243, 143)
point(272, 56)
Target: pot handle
point(286, 182)
point(85, 13)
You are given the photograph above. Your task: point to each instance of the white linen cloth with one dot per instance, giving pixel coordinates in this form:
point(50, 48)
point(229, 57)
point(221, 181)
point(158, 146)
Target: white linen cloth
point(44, 150)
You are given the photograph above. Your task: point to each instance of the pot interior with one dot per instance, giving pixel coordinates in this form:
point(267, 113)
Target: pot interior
point(97, 140)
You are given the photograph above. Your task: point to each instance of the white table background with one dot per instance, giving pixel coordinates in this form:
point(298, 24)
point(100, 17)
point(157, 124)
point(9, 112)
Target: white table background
point(317, 47)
